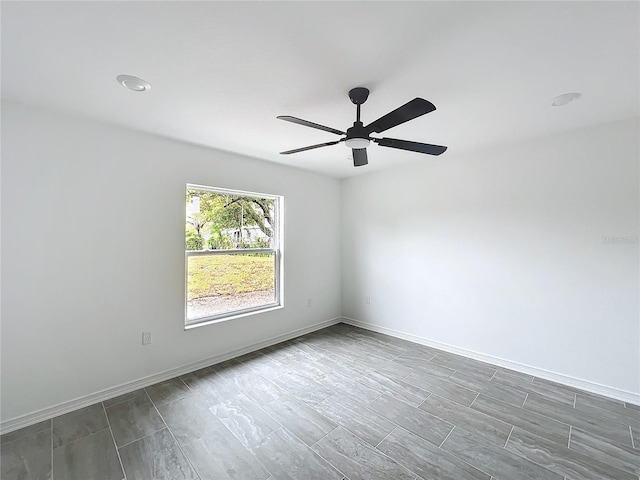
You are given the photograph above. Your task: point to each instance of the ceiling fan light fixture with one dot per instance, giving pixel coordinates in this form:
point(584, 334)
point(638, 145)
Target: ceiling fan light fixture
point(357, 142)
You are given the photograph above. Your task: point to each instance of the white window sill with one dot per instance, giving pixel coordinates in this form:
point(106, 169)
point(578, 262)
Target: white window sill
point(202, 322)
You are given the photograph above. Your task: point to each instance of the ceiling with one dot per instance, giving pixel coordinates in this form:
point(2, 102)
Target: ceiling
point(222, 71)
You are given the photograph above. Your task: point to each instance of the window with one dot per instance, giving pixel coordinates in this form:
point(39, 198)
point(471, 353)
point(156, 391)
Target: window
point(232, 253)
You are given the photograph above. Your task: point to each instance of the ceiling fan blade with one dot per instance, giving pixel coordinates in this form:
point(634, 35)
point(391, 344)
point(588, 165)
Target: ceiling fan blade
point(359, 157)
point(310, 147)
point(408, 111)
point(306, 123)
point(411, 146)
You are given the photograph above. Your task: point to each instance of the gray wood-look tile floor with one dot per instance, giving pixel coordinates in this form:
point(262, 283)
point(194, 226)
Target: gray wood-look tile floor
point(340, 403)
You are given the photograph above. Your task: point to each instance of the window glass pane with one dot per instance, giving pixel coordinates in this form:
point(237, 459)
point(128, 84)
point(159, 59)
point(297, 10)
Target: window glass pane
point(217, 220)
point(222, 283)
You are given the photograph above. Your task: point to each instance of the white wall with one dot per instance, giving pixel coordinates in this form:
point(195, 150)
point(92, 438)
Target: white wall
point(501, 252)
point(73, 312)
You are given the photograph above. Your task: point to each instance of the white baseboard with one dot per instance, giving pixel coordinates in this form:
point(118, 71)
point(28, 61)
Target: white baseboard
point(567, 380)
point(66, 407)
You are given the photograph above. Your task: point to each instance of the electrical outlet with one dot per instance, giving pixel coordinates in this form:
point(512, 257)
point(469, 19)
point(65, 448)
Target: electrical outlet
point(146, 338)
point(367, 299)
point(309, 303)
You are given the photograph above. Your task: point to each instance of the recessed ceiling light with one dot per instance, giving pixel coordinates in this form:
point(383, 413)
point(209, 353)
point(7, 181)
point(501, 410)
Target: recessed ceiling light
point(565, 98)
point(133, 83)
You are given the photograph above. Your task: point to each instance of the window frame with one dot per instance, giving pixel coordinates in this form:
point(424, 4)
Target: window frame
point(278, 258)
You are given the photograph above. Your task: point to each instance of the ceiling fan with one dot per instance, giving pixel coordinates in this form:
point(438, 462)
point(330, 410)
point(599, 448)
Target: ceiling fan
point(358, 137)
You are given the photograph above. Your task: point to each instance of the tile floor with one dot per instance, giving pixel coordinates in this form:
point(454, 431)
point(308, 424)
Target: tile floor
point(340, 403)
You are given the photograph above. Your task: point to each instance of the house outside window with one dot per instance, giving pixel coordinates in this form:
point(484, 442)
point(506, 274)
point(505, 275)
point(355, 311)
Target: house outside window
point(233, 253)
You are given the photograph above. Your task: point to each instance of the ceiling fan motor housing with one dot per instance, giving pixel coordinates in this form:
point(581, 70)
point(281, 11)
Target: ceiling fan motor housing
point(357, 136)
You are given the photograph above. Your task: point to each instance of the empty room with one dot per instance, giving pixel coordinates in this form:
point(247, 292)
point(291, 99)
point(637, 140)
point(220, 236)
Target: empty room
point(320, 240)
